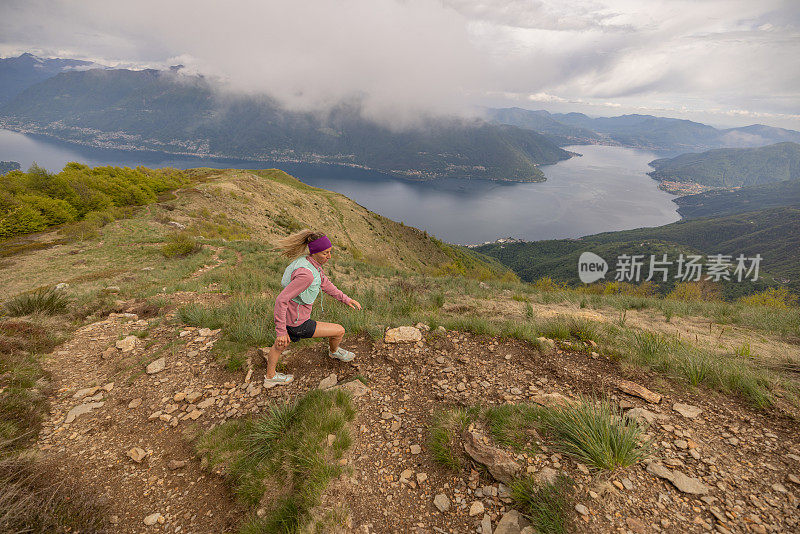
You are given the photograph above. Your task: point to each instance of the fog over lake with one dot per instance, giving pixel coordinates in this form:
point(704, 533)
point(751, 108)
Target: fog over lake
point(605, 189)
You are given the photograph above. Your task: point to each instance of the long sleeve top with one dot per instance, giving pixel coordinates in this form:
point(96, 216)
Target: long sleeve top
point(291, 313)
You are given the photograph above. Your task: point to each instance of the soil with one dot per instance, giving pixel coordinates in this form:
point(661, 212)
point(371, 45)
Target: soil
point(749, 460)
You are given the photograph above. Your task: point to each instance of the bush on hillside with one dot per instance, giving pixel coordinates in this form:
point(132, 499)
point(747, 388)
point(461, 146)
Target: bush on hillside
point(180, 244)
point(774, 297)
point(702, 290)
point(35, 200)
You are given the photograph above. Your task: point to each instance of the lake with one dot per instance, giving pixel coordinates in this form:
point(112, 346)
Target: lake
point(605, 189)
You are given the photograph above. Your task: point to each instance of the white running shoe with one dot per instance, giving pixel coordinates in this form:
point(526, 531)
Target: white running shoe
point(341, 354)
point(278, 379)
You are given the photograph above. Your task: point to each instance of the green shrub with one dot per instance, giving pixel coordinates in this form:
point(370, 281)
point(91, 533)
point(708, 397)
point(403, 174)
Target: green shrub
point(180, 244)
point(774, 297)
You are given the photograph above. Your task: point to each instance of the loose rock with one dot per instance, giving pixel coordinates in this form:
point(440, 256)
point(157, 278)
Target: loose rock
point(687, 410)
point(500, 464)
point(156, 366)
point(441, 502)
point(632, 388)
point(403, 334)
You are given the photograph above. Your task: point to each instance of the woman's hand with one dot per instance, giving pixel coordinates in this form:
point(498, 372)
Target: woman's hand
point(282, 342)
point(354, 304)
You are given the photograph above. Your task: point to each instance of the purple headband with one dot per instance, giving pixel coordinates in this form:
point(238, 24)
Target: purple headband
point(319, 244)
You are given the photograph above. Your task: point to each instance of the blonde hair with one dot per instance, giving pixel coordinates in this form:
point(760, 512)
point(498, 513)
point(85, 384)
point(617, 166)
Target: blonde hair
point(295, 244)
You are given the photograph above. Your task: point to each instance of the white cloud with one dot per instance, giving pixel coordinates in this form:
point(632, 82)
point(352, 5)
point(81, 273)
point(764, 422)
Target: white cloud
point(406, 58)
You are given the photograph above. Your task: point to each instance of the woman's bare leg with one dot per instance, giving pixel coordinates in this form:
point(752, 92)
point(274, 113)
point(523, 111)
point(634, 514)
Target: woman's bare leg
point(272, 360)
point(334, 332)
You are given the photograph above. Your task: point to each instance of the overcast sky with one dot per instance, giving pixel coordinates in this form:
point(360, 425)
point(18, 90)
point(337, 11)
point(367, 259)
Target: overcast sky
point(723, 62)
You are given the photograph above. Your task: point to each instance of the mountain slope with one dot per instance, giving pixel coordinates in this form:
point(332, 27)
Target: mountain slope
point(166, 111)
point(542, 122)
point(726, 202)
point(19, 73)
point(732, 167)
point(642, 131)
point(773, 233)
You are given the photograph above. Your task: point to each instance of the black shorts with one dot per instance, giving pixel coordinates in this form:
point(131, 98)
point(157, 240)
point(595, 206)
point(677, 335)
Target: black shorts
point(302, 331)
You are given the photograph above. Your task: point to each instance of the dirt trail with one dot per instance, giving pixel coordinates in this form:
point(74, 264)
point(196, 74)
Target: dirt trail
point(749, 461)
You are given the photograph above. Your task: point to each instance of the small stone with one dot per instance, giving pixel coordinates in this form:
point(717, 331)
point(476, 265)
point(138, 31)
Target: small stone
point(687, 410)
point(476, 509)
point(176, 464)
point(152, 519)
point(137, 454)
point(86, 392)
point(356, 388)
point(204, 405)
point(204, 332)
point(156, 366)
point(405, 475)
point(82, 409)
point(127, 344)
point(794, 479)
point(581, 509)
point(328, 382)
point(179, 396)
point(486, 524)
point(135, 403)
point(689, 485)
point(403, 334)
point(415, 449)
point(441, 502)
point(422, 477)
point(632, 388)
point(192, 396)
point(546, 475)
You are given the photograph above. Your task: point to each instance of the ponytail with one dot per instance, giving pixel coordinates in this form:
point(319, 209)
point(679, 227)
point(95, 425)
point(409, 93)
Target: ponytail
point(295, 244)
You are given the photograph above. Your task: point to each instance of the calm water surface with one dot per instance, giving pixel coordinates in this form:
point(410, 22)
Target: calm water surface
point(605, 189)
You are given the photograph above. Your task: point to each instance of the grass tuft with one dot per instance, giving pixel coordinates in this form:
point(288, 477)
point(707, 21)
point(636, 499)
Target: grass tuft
point(43, 300)
point(445, 435)
point(283, 458)
point(36, 499)
point(596, 432)
point(546, 505)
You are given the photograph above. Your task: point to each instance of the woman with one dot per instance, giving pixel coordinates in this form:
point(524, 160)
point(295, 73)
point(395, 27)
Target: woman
point(302, 281)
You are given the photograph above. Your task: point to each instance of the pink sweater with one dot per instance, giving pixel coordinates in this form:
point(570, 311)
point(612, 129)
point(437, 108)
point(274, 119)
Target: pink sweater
point(288, 312)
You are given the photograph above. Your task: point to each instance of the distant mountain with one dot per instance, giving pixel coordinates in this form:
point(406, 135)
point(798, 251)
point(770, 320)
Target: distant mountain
point(19, 73)
point(541, 121)
point(640, 131)
point(731, 167)
point(772, 233)
point(647, 131)
point(727, 202)
point(167, 111)
point(757, 135)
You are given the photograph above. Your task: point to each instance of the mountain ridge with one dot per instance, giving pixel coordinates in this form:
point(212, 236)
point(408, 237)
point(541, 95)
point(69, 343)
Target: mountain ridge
point(166, 111)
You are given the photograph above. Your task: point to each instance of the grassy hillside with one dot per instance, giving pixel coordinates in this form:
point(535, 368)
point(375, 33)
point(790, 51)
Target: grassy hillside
point(170, 112)
point(774, 234)
point(76, 382)
point(729, 202)
point(732, 167)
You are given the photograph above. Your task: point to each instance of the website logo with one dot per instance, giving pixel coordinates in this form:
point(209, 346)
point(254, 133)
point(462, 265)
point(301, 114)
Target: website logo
point(591, 267)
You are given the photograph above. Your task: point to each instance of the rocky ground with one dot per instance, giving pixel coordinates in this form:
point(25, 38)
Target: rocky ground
point(126, 405)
